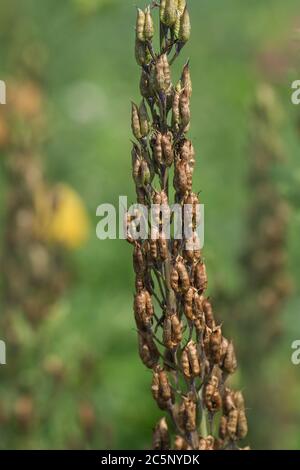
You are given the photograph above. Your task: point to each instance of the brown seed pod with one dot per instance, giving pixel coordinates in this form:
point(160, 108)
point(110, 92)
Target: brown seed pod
point(172, 330)
point(135, 122)
point(164, 385)
point(186, 81)
point(139, 283)
point(157, 148)
point(242, 426)
point(193, 357)
point(188, 303)
point(185, 364)
point(144, 120)
point(208, 312)
point(224, 347)
point(161, 438)
point(187, 154)
point(232, 423)
point(148, 351)
point(175, 279)
point(188, 414)
point(143, 309)
point(228, 401)
point(239, 400)
point(200, 277)
point(210, 394)
point(183, 276)
point(139, 262)
point(181, 444)
point(230, 362)
point(167, 149)
point(223, 427)
point(202, 444)
point(167, 71)
point(215, 344)
point(210, 442)
point(162, 247)
point(160, 82)
point(192, 250)
point(185, 113)
point(182, 182)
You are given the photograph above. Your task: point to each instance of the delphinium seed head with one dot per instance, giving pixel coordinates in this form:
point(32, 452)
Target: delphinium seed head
point(179, 338)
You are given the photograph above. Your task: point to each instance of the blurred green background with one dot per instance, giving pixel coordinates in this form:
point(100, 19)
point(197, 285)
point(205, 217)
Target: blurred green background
point(88, 76)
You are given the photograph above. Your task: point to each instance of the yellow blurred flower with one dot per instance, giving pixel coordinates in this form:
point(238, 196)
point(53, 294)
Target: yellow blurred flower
point(61, 216)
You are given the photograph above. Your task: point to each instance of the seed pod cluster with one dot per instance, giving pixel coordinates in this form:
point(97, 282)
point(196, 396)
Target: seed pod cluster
point(178, 335)
point(233, 423)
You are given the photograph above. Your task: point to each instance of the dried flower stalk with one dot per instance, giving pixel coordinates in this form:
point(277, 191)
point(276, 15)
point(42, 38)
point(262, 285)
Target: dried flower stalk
point(183, 345)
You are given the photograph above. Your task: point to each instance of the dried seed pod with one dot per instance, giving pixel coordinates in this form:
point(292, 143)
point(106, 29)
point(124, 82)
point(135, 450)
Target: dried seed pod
point(185, 364)
point(145, 87)
point(223, 427)
point(224, 347)
point(200, 277)
point(175, 279)
point(242, 426)
point(228, 401)
point(210, 394)
point(230, 362)
point(148, 351)
point(193, 357)
point(172, 330)
point(135, 122)
point(183, 277)
point(153, 249)
point(139, 283)
point(188, 303)
point(167, 71)
point(208, 313)
point(148, 26)
point(142, 54)
point(192, 250)
point(185, 113)
point(164, 385)
point(167, 149)
point(175, 106)
point(182, 177)
point(232, 423)
point(181, 4)
point(181, 444)
point(162, 10)
point(144, 120)
point(161, 438)
point(158, 79)
point(139, 262)
point(140, 25)
point(162, 247)
point(187, 154)
point(185, 27)
point(157, 148)
point(210, 442)
point(215, 344)
point(143, 309)
point(186, 81)
point(239, 400)
point(168, 13)
point(188, 414)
